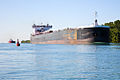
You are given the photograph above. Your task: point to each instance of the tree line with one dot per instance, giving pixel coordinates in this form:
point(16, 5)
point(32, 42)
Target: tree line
point(114, 31)
point(25, 41)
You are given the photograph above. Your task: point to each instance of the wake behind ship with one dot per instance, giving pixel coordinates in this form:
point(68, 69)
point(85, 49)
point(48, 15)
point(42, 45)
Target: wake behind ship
point(81, 35)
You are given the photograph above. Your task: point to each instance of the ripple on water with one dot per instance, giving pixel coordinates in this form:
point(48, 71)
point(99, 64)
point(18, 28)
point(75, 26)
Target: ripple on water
point(59, 62)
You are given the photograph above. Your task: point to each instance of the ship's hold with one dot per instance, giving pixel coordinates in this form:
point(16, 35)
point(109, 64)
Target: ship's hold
point(81, 35)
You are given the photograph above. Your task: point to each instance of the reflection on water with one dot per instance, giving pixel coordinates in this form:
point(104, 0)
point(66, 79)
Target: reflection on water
point(86, 48)
point(59, 62)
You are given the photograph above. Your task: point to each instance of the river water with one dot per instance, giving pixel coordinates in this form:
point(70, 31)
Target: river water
point(59, 62)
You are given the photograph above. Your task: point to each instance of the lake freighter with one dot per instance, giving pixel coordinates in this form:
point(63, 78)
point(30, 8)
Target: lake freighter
point(81, 35)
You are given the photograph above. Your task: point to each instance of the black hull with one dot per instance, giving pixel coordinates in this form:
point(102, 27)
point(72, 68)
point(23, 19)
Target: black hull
point(99, 34)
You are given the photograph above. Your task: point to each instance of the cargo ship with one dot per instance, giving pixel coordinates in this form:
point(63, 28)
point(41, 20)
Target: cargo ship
point(42, 34)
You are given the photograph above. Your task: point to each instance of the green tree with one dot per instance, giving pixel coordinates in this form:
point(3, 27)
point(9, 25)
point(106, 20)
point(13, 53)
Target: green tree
point(25, 41)
point(114, 31)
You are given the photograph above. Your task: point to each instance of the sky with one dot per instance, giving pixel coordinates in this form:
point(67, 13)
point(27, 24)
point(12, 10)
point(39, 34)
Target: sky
point(18, 16)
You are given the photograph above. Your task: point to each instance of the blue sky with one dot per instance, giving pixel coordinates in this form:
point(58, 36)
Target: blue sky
point(17, 16)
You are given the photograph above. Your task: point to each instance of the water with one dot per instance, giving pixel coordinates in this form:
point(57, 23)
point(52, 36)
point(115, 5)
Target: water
point(59, 62)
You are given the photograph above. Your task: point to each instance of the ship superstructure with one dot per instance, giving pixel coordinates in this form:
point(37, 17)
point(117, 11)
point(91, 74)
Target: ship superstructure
point(40, 29)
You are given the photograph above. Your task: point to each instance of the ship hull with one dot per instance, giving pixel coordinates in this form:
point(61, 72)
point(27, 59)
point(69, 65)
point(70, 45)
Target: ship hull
point(74, 36)
point(11, 41)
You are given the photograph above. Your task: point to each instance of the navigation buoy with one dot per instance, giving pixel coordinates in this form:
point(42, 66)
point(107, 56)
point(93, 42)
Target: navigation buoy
point(18, 44)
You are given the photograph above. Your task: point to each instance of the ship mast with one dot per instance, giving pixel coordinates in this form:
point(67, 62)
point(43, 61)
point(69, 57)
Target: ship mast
point(96, 23)
point(95, 15)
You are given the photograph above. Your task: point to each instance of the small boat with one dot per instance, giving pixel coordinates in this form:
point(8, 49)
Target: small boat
point(11, 41)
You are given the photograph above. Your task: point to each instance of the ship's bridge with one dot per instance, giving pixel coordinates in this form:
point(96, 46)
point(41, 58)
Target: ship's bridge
point(40, 28)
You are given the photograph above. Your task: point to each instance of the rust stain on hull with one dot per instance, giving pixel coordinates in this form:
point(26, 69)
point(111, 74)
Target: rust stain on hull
point(85, 41)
